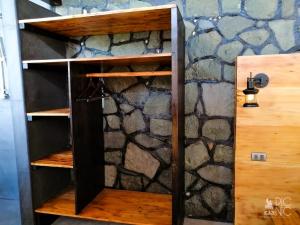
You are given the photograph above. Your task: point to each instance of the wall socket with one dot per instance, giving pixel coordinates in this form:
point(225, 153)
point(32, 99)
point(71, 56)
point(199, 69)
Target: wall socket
point(259, 156)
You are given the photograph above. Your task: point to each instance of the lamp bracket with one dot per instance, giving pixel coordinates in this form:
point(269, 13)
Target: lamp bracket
point(261, 80)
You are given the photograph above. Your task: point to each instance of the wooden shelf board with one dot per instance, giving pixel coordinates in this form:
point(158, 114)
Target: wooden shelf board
point(63, 159)
point(51, 112)
point(162, 58)
point(119, 206)
point(109, 22)
point(130, 74)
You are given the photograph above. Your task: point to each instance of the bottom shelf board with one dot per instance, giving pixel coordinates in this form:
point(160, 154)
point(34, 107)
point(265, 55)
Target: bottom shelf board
point(118, 206)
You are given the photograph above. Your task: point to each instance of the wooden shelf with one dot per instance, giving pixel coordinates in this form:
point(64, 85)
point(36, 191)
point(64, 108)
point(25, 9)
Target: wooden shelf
point(130, 74)
point(63, 159)
point(162, 59)
point(51, 112)
point(128, 207)
point(120, 21)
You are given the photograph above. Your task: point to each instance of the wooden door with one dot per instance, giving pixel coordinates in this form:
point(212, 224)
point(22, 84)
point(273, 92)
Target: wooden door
point(272, 128)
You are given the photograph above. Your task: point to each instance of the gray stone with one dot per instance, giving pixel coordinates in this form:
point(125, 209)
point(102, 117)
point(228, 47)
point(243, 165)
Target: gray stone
point(94, 10)
point(207, 69)
point(229, 73)
point(93, 3)
point(161, 127)
point(260, 9)
point(215, 198)
point(189, 29)
point(158, 104)
point(269, 49)
point(165, 154)
point(114, 139)
point(154, 40)
point(191, 126)
point(204, 25)
point(261, 23)
point(189, 179)
point(207, 8)
point(191, 97)
point(63, 11)
point(255, 37)
point(132, 183)
point(133, 48)
point(134, 122)
point(204, 44)
point(194, 207)
point(74, 10)
point(216, 174)
point(104, 123)
point(167, 46)
point(223, 153)
point(117, 85)
point(161, 83)
point(117, 4)
point(113, 121)
point(109, 106)
point(195, 155)
point(231, 6)
point(122, 37)
point(288, 8)
point(67, 3)
point(167, 35)
point(216, 129)
point(113, 157)
point(166, 178)
point(230, 26)
point(145, 67)
point(249, 51)
point(141, 35)
point(284, 33)
point(147, 141)
point(199, 185)
point(126, 108)
point(157, 188)
point(110, 175)
point(140, 161)
point(218, 99)
point(137, 4)
point(137, 95)
point(199, 109)
point(98, 42)
point(228, 52)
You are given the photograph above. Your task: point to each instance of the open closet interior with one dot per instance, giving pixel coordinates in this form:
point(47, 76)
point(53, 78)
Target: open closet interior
point(63, 98)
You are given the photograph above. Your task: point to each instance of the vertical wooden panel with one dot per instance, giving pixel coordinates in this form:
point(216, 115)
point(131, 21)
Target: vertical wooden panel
point(88, 148)
point(273, 128)
point(178, 59)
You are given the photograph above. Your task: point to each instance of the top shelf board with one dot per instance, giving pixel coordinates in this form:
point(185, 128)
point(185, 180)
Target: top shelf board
point(109, 22)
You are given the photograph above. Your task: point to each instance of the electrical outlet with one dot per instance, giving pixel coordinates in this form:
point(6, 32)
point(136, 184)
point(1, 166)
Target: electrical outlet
point(259, 156)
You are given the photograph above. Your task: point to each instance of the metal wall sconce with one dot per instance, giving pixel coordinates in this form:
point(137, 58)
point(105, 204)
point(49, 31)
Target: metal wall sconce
point(260, 80)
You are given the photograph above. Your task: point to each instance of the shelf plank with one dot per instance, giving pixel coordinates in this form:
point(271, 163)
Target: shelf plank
point(63, 159)
point(51, 112)
point(109, 22)
point(161, 58)
point(119, 206)
point(130, 74)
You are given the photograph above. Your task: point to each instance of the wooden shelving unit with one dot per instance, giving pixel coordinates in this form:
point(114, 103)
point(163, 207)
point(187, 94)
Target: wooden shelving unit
point(128, 207)
point(63, 159)
point(54, 82)
point(51, 112)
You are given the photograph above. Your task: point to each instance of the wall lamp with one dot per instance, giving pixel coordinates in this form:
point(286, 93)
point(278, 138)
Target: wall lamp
point(260, 80)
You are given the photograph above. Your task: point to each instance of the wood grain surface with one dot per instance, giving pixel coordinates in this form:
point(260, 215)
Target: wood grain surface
point(63, 159)
point(130, 74)
point(272, 128)
point(128, 207)
point(51, 112)
point(120, 21)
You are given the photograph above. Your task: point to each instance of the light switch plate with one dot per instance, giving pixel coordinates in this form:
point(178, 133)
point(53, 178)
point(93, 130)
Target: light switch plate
point(259, 156)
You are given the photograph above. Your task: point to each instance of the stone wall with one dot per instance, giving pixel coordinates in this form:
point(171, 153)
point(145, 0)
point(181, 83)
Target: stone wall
point(138, 137)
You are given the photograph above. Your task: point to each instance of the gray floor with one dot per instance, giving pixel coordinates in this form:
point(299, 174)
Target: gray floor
point(9, 212)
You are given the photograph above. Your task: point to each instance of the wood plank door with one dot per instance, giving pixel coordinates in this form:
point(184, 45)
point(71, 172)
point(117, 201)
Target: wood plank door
point(88, 147)
point(272, 128)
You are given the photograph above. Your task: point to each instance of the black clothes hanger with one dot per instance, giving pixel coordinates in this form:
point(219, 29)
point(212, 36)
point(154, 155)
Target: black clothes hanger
point(93, 92)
